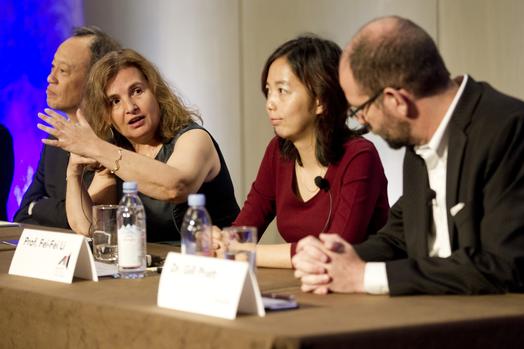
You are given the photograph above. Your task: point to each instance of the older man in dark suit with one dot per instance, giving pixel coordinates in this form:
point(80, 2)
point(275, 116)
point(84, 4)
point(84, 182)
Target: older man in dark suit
point(44, 201)
point(459, 225)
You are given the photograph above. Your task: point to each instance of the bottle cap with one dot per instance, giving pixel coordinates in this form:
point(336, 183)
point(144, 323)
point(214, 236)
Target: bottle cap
point(130, 187)
point(196, 200)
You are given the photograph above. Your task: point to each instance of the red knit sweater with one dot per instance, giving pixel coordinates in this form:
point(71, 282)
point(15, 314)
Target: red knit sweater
point(357, 184)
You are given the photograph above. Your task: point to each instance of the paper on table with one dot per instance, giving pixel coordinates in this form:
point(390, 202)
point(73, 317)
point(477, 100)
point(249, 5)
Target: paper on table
point(11, 243)
point(8, 224)
point(105, 269)
point(8, 245)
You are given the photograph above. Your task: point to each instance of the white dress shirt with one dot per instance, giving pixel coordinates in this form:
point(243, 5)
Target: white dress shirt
point(435, 155)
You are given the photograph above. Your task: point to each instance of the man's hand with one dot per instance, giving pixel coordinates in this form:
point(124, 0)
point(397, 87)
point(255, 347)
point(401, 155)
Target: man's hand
point(345, 268)
point(328, 264)
point(310, 265)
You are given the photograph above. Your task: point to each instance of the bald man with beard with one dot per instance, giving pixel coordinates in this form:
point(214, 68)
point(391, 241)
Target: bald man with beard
point(458, 227)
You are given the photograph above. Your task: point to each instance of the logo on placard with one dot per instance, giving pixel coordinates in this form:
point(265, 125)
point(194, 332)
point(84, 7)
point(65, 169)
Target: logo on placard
point(62, 265)
point(64, 261)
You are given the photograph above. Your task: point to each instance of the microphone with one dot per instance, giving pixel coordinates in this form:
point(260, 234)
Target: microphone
point(323, 184)
point(430, 195)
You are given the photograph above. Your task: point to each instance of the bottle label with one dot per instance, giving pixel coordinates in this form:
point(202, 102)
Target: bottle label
point(130, 246)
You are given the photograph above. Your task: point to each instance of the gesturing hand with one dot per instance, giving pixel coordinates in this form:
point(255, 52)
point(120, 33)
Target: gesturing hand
point(73, 137)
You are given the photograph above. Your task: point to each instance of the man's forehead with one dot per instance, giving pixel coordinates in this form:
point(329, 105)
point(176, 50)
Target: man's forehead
point(346, 76)
point(74, 52)
point(343, 64)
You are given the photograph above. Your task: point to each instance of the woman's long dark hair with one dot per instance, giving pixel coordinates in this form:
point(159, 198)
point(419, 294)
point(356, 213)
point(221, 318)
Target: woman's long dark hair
point(315, 62)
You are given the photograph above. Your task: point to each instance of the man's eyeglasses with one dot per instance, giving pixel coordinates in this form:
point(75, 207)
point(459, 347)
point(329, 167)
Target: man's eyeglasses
point(355, 110)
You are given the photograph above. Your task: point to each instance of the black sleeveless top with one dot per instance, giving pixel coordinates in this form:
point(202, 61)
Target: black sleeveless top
point(164, 219)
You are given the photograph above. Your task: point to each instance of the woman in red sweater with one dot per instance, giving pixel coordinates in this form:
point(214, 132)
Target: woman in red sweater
point(317, 175)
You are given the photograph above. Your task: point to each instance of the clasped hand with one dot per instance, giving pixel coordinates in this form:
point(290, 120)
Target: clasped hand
point(328, 264)
point(218, 242)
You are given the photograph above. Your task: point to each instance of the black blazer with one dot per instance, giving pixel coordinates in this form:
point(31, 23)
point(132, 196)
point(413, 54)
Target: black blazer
point(7, 167)
point(485, 172)
point(48, 189)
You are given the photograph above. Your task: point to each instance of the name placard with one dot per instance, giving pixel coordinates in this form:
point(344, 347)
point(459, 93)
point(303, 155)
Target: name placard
point(53, 256)
point(209, 286)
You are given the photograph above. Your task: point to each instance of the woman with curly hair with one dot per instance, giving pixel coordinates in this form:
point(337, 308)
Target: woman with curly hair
point(136, 128)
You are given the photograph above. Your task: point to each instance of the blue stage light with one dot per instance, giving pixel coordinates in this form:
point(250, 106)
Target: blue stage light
point(30, 32)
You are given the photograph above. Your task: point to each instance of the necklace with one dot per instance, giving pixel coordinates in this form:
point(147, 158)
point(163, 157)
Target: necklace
point(303, 180)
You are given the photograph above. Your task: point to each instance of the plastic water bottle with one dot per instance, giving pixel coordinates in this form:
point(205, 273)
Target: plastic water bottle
point(131, 225)
point(196, 228)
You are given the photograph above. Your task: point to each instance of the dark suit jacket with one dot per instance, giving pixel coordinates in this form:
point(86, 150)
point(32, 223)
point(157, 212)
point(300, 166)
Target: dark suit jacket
point(485, 171)
point(7, 167)
point(48, 189)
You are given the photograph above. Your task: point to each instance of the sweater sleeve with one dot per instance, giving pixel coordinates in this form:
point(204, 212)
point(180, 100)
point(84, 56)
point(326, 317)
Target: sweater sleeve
point(362, 205)
point(259, 208)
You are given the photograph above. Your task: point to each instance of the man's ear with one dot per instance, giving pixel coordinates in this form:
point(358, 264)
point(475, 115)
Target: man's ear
point(400, 100)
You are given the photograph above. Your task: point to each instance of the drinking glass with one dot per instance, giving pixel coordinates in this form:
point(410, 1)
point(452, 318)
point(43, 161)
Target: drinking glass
point(104, 233)
point(240, 244)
